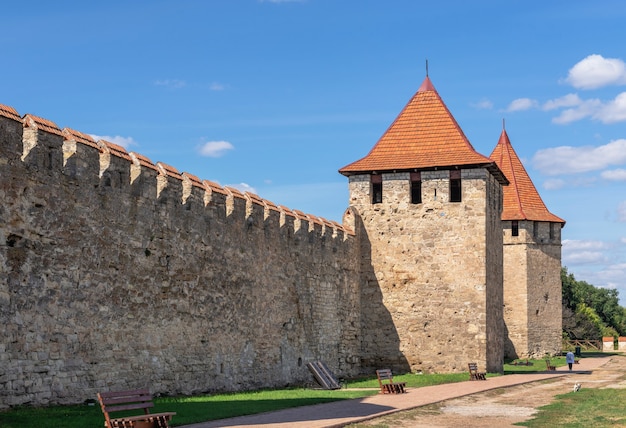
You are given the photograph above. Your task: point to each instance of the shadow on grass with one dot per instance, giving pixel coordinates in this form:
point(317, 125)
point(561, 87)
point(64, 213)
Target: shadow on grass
point(264, 411)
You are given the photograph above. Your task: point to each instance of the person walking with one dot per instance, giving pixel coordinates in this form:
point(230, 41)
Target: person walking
point(569, 359)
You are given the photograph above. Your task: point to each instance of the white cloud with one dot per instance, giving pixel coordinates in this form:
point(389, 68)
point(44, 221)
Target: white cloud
point(243, 187)
point(614, 111)
point(596, 71)
point(522, 104)
point(569, 100)
point(614, 174)
point(483, 104)
point(579, 252)
point(554, 184)
point(576, 244)
point(587, 108)
point(215, 149)
point(215, 86)
point(125, 142)
point(583, 257)
point(171, 83)
point(571, 160)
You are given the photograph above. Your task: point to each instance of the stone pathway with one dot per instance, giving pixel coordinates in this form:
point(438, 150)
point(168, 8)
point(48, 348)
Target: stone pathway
point(342, 413)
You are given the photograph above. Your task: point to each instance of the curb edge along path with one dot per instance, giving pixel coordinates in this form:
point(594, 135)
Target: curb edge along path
point(341, 413)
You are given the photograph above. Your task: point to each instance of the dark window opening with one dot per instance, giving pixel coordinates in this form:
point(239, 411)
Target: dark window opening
point(455, 186)
point(377, 189)
point(416, 188)
point(514, 228)
point(552, 230)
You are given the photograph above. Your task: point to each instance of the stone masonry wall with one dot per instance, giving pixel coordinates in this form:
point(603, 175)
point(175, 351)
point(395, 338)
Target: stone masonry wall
point(431, 273)
point(532, 289)
point(117, 273)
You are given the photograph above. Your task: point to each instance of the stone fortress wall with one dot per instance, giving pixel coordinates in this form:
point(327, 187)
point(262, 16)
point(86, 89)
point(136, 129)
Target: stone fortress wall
point(118, 273)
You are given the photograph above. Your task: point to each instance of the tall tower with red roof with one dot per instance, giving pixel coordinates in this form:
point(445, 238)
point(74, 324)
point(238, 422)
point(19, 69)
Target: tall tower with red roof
point(532, 262)
point(426, 207)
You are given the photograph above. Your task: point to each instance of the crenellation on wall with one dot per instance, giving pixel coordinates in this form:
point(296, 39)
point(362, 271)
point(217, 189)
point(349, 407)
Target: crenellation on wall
point(81, 156)
point(42, 144)
point(114, 165)
point(11, 130)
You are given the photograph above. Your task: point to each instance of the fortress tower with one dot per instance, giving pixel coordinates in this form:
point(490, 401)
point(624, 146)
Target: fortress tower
point(532, 262)
point(427, 209)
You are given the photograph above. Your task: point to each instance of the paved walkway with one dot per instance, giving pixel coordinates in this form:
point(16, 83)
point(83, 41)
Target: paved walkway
point(341, 413)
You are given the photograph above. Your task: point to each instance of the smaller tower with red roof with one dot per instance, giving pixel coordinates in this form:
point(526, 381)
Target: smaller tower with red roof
point(532, 262)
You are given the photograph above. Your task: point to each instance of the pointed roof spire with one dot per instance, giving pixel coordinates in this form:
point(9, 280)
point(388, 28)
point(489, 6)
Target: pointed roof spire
point(521, 199)
point(425, 135)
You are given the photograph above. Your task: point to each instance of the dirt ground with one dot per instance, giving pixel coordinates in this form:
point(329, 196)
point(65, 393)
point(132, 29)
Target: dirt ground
point(506, 406)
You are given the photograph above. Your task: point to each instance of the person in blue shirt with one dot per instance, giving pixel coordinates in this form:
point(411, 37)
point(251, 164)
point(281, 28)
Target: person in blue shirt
point(569, 359)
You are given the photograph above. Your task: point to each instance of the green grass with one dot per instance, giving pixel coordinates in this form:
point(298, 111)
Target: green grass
point(596, 408)
point(204, 408)
point(189, 409)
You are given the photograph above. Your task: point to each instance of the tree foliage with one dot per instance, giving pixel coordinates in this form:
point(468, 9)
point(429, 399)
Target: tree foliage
point(590, 312)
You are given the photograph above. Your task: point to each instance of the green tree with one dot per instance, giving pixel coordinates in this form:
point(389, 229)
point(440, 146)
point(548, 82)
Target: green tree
point(590, 312)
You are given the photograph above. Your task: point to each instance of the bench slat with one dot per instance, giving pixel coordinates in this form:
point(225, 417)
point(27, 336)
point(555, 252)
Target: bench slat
point(117, 401)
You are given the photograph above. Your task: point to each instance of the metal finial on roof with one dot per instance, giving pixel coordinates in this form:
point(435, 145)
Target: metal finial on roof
point(427, 68)
point(503, 127)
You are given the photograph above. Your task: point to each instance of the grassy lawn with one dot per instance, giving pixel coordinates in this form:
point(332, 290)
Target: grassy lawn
point(204, 408)
point(596, 408)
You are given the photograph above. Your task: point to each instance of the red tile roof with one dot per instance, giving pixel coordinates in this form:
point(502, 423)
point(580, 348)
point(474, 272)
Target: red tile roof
point(521, 199)
point(72, 134)
point(9, 112)
point(425, 135)
point(142, 160)
point(114, 149)
point(42, 124)
point(168, 170)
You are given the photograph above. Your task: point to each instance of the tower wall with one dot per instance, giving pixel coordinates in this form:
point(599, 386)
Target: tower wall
point(532, 289)
point(431, 273)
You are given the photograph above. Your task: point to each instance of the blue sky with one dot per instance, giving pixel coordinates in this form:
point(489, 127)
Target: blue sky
point(275, 96)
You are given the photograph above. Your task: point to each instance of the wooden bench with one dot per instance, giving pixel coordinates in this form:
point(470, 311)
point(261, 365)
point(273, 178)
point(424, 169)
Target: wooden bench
point(136, 399)
point(549, 366)
point(474, 374)
point(387, 386)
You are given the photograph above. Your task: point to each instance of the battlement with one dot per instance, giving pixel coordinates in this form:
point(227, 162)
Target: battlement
point(40, 144)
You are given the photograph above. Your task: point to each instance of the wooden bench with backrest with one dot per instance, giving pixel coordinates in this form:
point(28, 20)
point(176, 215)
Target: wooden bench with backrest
point(549, 366)
point(387, 385)
point(136, 399)
point(474, 374)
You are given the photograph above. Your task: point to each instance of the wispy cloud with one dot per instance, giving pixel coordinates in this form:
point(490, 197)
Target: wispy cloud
point(578, 252)
point(171, 83)
point(614, 174)
point(483, 104)
point(569, 100)
point(125, 142)
point(572, 160)
point(595, 71)
point(554, 184)
point(243, 187)
point(521, 104)
point(215, 149)
point(215, 86)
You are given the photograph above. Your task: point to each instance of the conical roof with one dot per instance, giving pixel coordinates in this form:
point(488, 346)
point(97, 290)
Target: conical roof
point(521, 199)
point(425, 135)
